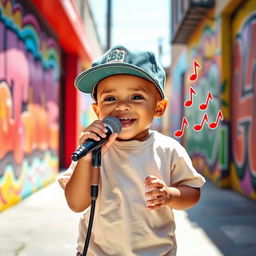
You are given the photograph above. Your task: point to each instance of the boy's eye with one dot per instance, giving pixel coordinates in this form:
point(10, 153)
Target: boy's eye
point(109, 98)
point(137, 97)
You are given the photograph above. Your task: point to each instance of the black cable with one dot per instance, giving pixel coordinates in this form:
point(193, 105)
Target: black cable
point(96, 163)
point(88, 235)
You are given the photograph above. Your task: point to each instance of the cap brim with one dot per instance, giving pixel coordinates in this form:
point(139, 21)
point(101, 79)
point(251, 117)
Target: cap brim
point(87, 80)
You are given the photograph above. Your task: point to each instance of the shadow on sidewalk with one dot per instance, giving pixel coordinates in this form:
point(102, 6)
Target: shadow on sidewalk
point(228, 219)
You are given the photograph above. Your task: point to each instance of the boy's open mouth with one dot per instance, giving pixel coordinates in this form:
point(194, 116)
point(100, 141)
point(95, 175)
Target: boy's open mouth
point(126, 122)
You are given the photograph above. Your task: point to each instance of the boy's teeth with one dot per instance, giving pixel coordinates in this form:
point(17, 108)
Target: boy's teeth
point(126, 121)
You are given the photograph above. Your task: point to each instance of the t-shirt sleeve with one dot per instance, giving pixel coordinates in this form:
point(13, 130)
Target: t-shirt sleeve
point(182, 170)
point(64, 177)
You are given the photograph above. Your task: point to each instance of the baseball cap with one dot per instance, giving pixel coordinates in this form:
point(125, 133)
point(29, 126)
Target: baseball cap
point(119, 60)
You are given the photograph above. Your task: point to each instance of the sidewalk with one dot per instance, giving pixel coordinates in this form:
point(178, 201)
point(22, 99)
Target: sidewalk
point(41, 225)
point(223, 223)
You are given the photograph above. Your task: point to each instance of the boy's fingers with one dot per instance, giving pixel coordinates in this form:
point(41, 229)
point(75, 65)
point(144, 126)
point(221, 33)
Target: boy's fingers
point(99, 130)
point(88, 135)
point(149, 178)
point(155, 207)
point(154, 184)
point(111, 139)
point(97, 127)
point(158, 200)
point(154, 193)
point(98, 123)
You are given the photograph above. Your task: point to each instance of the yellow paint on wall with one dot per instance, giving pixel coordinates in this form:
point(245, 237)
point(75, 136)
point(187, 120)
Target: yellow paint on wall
point(195, 39)
point(10, 189)
point(8, 9)
point(17, 18)
point(243, 13)
point(225, 66)
point(231, 6)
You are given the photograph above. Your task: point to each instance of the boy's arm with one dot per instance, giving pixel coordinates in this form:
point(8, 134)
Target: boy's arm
point(179, 197)
point(182, 197)
point(77, 189)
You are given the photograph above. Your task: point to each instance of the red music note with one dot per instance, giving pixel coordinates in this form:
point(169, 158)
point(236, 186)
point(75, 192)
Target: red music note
point(189, 102)
point(180, 132)
point(204, 106)
point(213, 125)
point(193, 77)
point(198, 127)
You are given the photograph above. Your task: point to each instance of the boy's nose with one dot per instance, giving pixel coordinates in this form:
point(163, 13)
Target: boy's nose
point(123, 105)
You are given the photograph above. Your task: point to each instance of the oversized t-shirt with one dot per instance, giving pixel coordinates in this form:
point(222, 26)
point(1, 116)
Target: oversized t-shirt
point(123, 226)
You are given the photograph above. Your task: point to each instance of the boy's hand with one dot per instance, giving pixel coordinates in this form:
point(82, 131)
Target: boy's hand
point(94, 131)
point(159, 193)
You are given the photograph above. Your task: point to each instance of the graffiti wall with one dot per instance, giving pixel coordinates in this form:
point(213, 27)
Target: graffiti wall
point(243, 146)
point(29, 85)
point(208, 148)
point(224, 46)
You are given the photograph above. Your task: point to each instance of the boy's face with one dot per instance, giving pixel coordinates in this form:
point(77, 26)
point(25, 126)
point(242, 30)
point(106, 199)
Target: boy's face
point(133, 100)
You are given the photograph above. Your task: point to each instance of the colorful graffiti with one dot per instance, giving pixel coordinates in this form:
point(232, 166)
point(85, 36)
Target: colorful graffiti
point(209, 147)
point(29, 85)
point(243, 167)
point(226, 154)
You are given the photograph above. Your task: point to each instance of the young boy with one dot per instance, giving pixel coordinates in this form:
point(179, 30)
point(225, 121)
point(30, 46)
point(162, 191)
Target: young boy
point(144, 174)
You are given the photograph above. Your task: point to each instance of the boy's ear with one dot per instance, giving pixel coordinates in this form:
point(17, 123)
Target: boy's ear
point(96, 109)
point(161, 107)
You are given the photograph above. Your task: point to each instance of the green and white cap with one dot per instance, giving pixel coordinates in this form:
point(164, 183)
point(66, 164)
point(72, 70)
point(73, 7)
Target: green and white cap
point(119, 60)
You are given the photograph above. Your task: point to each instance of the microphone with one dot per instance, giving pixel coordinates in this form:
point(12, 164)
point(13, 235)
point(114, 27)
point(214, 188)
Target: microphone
point(113, 126)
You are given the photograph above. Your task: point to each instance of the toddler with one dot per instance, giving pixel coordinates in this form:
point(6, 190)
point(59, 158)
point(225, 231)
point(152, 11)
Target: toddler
point(144, 174)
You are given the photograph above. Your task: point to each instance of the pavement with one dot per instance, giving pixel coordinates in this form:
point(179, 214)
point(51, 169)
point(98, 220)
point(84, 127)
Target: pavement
point(222, 223)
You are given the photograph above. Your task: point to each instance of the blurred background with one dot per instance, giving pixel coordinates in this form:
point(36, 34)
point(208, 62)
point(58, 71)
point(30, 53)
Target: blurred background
point(45, 44)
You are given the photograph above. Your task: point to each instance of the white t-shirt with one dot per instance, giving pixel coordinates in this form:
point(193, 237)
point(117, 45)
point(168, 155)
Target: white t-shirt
point(122, 223)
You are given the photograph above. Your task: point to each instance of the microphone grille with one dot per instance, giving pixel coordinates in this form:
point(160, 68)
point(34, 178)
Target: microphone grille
point(114, 123)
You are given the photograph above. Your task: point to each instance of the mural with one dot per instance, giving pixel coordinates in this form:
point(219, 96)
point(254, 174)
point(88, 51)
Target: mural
point(243, 167)
point(226, 154)
point(29, 85)
point(208, 147)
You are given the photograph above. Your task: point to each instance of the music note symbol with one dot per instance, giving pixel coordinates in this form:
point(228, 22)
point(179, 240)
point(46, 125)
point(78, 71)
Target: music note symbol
point(189, 102)
point(193, 77)
point(198, 127)
point(213, 125)
point(204, 106)
point(180, 132)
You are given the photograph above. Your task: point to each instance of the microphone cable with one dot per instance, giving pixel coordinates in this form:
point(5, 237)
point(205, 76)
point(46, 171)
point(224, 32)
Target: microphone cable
point(96, 163)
